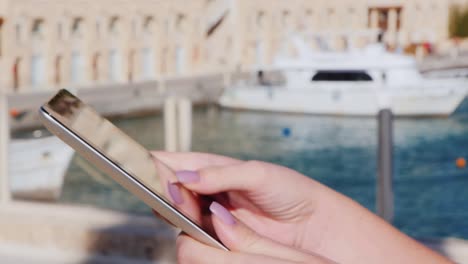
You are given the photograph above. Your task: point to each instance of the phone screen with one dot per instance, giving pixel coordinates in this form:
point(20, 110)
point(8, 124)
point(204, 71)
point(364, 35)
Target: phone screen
point(110, 141)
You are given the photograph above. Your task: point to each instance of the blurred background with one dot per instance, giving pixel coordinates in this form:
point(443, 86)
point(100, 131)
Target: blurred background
point(340, 91)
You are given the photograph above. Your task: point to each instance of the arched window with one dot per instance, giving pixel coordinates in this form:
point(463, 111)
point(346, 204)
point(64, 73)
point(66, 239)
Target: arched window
point(180, 59)
point(37, 70)
point(261, 20)
point(180, 54)
point(18, 32)
point(77, 27)
point(77, 67)
point(353, 20)
point(115, 66)
point(166, 27)
point(309, 13)
point(98, 27)
point(308, 21)
point(1, 36)
point(331, 20)
point(95, 66)
point(60, 34)
point(180, 23)
point(134, 27)
point(37, 30)
point(58, 70)
point(114, 25)
point(16, 74)
point(148, 63)
point(131, 65)
point(260, 51)
point(148, 25)
point(285, 19)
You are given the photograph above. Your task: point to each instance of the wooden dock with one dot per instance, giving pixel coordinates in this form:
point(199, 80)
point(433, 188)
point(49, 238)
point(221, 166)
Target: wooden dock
point(75, 234)
point(130, 98)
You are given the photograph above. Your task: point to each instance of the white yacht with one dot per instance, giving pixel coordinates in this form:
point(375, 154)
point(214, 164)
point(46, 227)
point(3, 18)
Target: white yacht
point(358, 82)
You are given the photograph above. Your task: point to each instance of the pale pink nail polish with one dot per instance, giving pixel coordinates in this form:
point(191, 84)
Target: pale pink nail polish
point(222, 213)
point(175, 193)
point(187, 176)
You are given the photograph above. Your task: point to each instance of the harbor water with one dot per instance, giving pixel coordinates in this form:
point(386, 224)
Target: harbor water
point(431, 193)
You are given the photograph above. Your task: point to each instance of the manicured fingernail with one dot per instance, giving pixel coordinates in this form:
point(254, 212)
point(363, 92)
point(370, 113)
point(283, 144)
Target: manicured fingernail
point(222, 213)
point(187, 176)
point(174, 192)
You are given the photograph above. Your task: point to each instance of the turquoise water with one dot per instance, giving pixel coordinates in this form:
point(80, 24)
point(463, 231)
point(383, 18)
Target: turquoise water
point(431, 194)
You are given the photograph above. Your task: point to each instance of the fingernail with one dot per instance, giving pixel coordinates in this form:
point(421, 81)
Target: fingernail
point(174, 192)
point(222, 213)
point(187, 176)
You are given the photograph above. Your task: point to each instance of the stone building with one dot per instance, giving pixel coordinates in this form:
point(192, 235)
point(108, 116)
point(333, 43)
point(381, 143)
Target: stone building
point(55, 43)
point(260, 28)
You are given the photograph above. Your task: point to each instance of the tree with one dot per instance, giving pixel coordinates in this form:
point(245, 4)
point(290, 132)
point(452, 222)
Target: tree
point(458, 26)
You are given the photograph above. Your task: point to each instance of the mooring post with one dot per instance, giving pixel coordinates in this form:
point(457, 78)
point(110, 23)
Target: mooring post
point(385, 197)
point(4, 143)
point(170, 124)
point(185, 124)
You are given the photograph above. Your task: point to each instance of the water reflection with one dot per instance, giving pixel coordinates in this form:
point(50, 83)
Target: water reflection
point(430, 191)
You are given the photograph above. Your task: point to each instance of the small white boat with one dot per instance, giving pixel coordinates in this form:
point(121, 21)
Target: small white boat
point(359, 82)
point(37, 167)
point(454, 73)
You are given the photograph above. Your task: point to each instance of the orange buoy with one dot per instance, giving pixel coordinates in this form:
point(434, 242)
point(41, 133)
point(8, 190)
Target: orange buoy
point(14, 112)
point(461, 163)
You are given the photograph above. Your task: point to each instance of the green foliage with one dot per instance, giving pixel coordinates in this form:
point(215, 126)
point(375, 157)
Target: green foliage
point(458, 26)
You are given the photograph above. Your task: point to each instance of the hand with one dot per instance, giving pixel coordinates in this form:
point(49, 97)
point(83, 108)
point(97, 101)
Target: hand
point(284, 206)
point(245, 244)
point(266, 206)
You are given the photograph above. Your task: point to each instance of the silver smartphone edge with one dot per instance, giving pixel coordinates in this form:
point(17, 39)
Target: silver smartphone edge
point(127, 181)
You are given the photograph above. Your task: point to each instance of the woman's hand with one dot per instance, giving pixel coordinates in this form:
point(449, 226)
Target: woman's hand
point(245, 244)
point(286, 209)
point(273, 200)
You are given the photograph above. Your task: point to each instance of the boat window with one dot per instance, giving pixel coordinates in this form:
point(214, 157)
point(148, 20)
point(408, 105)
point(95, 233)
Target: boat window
point(340, 76)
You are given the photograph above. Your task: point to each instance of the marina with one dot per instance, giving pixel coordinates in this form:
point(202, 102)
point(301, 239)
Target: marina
point(339, 152)
point(367, 97)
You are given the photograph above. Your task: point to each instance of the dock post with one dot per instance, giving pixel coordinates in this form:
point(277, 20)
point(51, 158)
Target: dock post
point(4, 143)
point(385, 198)
point(185, 124)
point(170, 124)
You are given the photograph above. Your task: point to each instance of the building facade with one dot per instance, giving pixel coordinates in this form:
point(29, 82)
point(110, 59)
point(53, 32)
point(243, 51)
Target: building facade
point(262, 28)
point(49, 44)
point(54, 43)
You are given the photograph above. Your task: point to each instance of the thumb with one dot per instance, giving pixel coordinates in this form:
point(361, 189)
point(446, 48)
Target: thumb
point(240, 238)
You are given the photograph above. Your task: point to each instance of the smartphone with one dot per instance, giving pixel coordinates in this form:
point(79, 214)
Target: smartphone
point(119, 156)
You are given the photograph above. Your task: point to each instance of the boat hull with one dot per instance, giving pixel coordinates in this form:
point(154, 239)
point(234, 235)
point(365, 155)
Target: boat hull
point(37, 167)
point(354, 102)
